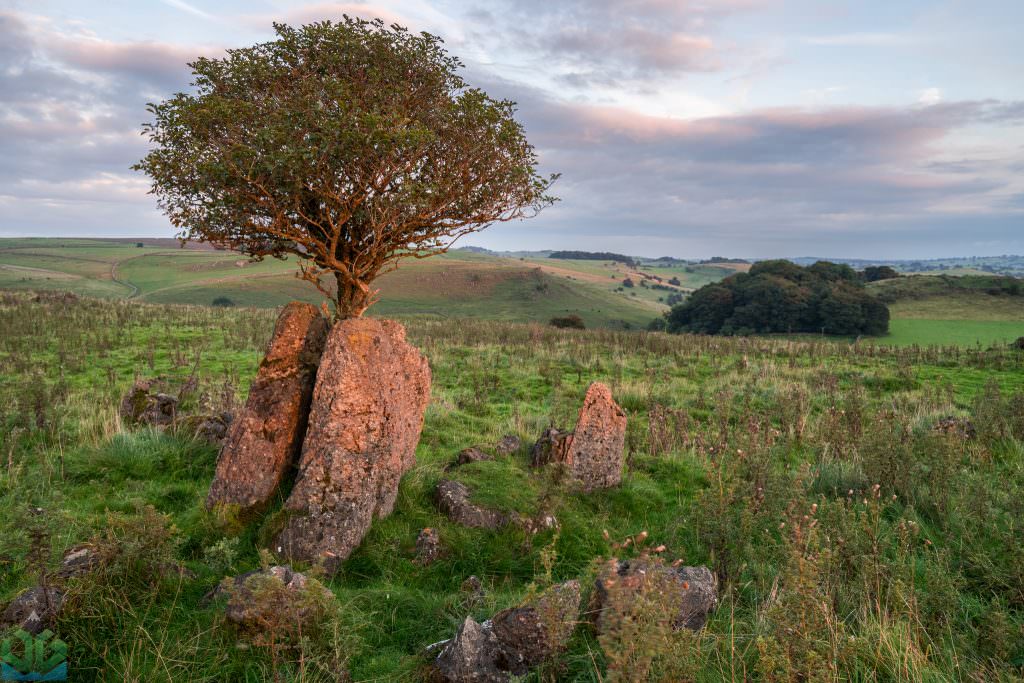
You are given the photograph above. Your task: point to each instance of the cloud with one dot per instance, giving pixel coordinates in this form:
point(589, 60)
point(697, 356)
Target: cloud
point(929, 96)
point(590, 41)
point(772, 179)
point(190, 9)
point(70, 120)
point(769, 181)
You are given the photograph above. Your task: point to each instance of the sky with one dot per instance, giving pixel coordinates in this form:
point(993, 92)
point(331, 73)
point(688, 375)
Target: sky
point(686, 128)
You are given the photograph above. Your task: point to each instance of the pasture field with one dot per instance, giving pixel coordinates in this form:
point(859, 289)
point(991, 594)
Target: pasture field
point(940, 309)
point(852, 540)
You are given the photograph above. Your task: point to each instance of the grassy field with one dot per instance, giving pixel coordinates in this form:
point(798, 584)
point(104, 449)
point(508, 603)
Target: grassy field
point(853, 542)
point(941, 309)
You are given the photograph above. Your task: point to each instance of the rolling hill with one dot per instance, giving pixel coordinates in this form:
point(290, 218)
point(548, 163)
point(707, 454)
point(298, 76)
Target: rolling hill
point(457, 284)
point(473, 283)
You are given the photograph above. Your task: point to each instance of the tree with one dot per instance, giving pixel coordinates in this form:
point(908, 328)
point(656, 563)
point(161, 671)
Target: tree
point(780, 296)
point(876, 273)
point(348, 145)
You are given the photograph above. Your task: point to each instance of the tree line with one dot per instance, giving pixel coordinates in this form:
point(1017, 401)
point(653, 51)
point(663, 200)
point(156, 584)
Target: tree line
point(781, 297)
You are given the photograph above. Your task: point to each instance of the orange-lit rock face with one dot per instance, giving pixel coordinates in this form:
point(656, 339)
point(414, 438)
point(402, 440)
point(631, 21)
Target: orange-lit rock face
point(263, 442)
point(594, 452)
point(371, 392)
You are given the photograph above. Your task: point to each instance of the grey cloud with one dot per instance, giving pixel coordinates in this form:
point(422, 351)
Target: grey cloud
point(630, 40)
point(70, 116)
point(770, 178)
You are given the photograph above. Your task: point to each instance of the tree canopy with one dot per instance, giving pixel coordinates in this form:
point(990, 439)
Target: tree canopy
point(349, 145)
point(780, 296)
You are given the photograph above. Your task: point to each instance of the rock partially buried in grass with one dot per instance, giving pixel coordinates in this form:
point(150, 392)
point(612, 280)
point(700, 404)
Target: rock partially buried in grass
point(595, 452)
point(472, 454)
point(961, 427)
point(684, 595)
point(428, 546)
point(508, 445)
point(264, 441)
point(79, 560)
point(371, 392)
point(258, 597)
point(453, 500)
point(142, 406)
point(34, 610)
point(513, 642)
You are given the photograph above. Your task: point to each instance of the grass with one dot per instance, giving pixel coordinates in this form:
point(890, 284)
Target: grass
point(730, 444)
point(968, 333)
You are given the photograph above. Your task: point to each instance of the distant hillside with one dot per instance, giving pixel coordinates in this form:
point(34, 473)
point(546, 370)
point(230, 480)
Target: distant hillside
point(463, 283)
point(997, 265)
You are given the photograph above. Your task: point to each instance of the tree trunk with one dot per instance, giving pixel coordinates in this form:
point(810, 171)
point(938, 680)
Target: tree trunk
point(353, 298)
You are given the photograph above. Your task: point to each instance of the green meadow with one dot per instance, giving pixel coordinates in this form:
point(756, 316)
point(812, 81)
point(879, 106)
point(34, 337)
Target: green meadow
point(852, 540)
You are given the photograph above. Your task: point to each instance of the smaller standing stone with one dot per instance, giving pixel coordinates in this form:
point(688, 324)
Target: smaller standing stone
point(595, 452)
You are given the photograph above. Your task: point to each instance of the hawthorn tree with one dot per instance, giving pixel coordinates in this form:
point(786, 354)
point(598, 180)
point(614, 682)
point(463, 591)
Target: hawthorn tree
point(349, 145)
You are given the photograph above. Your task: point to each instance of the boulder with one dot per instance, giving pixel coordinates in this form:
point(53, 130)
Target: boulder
point(513, 642)
point(245, 610)
point(453, 500)
point(550, 447)
point(34, 610)
point(428, 546)
point(212, 429)
point(472, 454)
point(594, 452)
point(263, 442)
point(961, 427)
point(508, 445)
point(371, 392)
point(78, 561)
point(143, 406)
point(470, 656)
point(687, 594)
point(538, 629)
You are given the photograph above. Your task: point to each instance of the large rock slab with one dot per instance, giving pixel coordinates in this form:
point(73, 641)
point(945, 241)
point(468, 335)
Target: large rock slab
point(263, 442)
point(687, 595)
point(513, 642)
point(594, 452)
point(371, 391)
